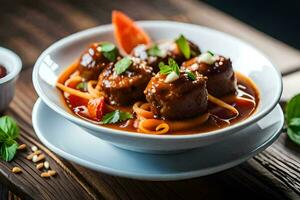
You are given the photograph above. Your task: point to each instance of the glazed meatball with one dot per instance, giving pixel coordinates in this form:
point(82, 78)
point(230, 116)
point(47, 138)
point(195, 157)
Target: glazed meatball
point(218, 69)
point(182, 98)
point(127, 87)
point(93, 61)
point(161, 52)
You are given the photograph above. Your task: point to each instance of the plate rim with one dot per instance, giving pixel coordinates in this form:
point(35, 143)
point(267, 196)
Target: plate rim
point(150, 177)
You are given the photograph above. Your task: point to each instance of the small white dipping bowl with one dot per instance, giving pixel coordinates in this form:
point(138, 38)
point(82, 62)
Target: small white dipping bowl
point(246, 59)
point(13, 65)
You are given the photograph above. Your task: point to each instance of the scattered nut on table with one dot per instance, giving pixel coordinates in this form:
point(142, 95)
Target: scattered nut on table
point(46, 165)
point(16, 170)
point(40, 165)
point(30, 156)
point(22, 147)
point(34, 148)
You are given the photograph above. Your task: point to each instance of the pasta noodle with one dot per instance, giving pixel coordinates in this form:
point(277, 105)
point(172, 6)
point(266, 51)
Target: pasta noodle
point(73, 79)
point(221, 103)
point(143, 110)
point(153, 126)
point(94, 92)
point(67, 72)
point(189, 123)
point(72, 91)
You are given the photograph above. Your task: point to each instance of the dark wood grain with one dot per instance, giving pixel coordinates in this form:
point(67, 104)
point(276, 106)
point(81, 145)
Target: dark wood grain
point(28, 27)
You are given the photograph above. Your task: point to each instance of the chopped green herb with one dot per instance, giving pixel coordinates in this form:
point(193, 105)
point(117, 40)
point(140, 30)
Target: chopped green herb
point(292, 115)
point(184, 46)
point(171, 67)
point(116, 116)
point(9, 131)
point(82, 86)
point(211, 53)
point(122, 65)
point(155, 51)
point(109, 51)
point(191, 75)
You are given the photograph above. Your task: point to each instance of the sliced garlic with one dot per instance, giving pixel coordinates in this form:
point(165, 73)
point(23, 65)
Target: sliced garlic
point(207, 58)
point(171, 77)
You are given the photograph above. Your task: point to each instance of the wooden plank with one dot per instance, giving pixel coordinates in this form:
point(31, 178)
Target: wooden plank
point(273, 174)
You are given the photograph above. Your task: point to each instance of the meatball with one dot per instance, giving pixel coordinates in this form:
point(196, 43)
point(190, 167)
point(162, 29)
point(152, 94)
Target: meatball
point(218, 69)
point(161, 52)
point(182, 98)
point(127, 87)
point(93, 60)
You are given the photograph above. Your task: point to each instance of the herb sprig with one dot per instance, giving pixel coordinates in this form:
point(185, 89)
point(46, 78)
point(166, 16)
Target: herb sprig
point(116, 116)
point(109, 51)
point(190, 75)
point(122, 65)
point(184, 46)
point(9, 131)
point(292, 116)
point(171, 67)
point(155, 51)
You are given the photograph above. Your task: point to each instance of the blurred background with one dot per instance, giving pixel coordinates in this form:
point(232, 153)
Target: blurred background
point(279, 19)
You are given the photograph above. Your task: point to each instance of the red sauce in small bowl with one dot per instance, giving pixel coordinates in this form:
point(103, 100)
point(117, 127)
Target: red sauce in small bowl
point(3, 71)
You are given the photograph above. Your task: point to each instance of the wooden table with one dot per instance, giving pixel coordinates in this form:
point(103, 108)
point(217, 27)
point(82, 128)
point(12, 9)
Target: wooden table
point(28, 27)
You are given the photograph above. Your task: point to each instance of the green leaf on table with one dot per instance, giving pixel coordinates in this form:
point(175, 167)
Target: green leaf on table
point(116, 116)
point(183, 46)
point(122, 65)
point(8, 150)
point(9, 129)
point(292, 116)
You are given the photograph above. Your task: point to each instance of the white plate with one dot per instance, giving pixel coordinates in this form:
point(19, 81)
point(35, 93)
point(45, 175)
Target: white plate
point(245, 58)
point(72, 143)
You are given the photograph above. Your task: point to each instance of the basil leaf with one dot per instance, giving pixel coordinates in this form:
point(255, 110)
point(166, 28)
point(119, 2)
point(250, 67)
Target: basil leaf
point(8, 150)
point(191, 75)
point(171, 67)
point(124, 116)
point(122, 65)
point(183, 46)
point(164, 69)
point(107, 47)
point(155, 51)
point(174, 66)
point(292, 108)
point(294, 136)
point(109, 51)
point(9, 128)
point(82, 86)
point(116, 116)
point(292, 116)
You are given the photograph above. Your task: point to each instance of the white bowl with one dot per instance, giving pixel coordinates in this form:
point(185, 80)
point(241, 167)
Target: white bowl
point(13, 65)
point(246, 59)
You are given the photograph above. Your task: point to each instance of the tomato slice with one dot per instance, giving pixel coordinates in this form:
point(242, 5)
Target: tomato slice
point(96, 108)
point(127, 33)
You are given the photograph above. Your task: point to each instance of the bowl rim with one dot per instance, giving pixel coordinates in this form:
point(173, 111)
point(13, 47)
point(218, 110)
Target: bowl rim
point(148, 23)
point(17, 64)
